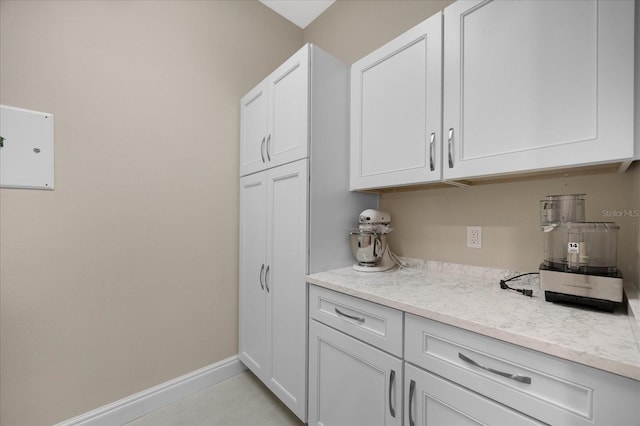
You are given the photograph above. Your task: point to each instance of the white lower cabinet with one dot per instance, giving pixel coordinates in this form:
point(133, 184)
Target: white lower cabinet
point(433, 401)
point(445, 375)
point(498, 375)
point(273, 234)
point(351, 382)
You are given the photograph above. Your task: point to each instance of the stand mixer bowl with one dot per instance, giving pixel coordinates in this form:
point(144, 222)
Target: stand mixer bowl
point(368, 247)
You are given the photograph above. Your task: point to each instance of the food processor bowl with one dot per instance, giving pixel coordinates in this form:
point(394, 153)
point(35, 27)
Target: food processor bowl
point(556, 209)
point(584, 247)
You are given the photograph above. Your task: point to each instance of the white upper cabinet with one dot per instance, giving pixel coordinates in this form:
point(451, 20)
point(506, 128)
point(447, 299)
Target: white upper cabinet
point(396, 110)
point(288, 88)
point(253, 130)
point(274, 117)
point(496, 88)
point(535, 85)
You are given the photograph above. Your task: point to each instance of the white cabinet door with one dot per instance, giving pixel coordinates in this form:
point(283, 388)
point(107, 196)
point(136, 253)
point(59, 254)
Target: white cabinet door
point(288, 87)
point(273, 264)
point(253, 263)
point(396, 110)
point(350, 382)
point(534, 85)
point(274, 117)
point(253, 130)
point(434, 401)
point(287, 224)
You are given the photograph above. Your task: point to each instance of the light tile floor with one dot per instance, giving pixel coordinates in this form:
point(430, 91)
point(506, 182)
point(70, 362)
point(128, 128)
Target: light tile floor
point(239, 401)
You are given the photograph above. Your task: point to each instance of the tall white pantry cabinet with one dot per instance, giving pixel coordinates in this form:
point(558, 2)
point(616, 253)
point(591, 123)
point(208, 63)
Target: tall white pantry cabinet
point(295, 211)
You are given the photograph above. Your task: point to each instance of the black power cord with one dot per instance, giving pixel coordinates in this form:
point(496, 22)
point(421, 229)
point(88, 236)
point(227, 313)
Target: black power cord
point(523, 291)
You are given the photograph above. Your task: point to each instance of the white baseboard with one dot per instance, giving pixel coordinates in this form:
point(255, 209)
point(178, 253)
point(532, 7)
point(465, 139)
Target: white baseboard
point(154, 398)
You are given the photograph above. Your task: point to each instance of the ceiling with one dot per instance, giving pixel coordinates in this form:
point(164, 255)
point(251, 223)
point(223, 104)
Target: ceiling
point(300, 12)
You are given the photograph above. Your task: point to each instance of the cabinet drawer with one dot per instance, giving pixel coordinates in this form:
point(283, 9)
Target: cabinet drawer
point(375, 324)
point(553, 390)
point(431, 400)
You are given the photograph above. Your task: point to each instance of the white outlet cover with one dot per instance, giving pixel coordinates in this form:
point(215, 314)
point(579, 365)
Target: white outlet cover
point(474, 236)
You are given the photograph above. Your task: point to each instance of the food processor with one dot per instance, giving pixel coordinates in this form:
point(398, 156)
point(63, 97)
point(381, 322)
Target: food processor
point(580, 258)
point(369, 242)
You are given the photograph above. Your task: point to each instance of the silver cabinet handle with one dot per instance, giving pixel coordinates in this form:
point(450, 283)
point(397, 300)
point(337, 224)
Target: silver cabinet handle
point(262, 149)
point(268, 147)
point(516, 377)
point(359, 319)
point(432, 152)
point(266, 278)
point(450, 148)
point(392, 379)
point(412, 390)
point(261, 271)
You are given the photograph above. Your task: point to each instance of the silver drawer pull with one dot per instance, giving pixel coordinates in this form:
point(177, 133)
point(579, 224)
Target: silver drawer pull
point(269, 147)
point(450, 143)
point(262, 149)
point(412, 389)
point(392, 379)
point(359, 319)
point(516, 377)
point(432, 152)
point(261, 282)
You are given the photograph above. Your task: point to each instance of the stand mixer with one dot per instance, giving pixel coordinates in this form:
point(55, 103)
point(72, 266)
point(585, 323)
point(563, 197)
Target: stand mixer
point(369, 242)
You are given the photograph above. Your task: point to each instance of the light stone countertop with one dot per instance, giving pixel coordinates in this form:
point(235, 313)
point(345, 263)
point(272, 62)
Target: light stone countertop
point(471, 298)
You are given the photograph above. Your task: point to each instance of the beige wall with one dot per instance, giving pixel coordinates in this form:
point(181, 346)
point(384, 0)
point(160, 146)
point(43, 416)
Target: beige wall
point(125, 276)
point(351, 29)
point(431, 224)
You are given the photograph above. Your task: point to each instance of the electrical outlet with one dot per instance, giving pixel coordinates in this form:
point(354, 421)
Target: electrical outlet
point(474, 236)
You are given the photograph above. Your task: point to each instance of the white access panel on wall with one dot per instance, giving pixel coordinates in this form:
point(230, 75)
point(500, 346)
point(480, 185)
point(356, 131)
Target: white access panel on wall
point(26, 148)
